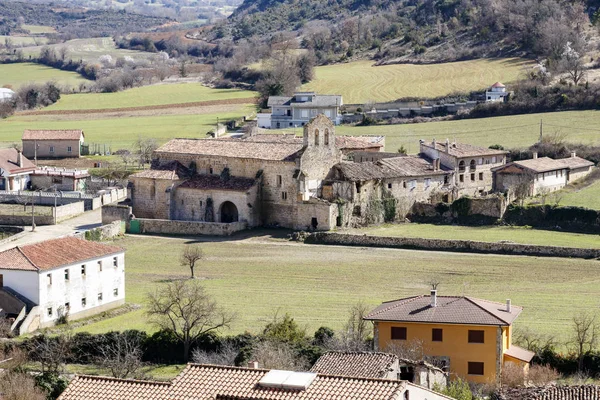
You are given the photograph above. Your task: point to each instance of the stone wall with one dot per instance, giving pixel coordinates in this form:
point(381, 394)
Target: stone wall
point(114, 212)
point(69, 211)
point(62, 213)
point(167, 227)
point(104, 232)
point(463, 246)
point(17, 232)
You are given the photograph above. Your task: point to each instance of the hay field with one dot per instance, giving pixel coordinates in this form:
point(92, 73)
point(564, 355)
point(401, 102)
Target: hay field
point(23, 73)
point(360, 81)
point(257, 277)
point(38, 29)
point(23, 40)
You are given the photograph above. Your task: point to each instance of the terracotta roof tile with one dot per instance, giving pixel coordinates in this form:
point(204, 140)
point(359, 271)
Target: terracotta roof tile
point(46, 134)
point(551, 392)
point(575, 162)
point(102, 388)
point(345, 142)
point(8, 161)
point(461, 150)
point(363, 364)
point(449, 310)
point(54, 253)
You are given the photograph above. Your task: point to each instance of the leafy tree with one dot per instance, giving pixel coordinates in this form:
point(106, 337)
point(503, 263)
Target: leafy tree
point(284, 330)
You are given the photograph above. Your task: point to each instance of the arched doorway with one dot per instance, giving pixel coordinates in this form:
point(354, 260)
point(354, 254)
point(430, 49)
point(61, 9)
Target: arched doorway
point(229, 212)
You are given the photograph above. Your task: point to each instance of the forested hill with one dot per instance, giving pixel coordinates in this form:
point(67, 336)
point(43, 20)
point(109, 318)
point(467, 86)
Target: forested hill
point(395, 28)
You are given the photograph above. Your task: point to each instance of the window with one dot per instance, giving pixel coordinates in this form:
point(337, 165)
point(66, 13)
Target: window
point(283, 195)
point(66, 274)
point(475, 368)
point(200, 203)
point(327, 136)
point(461, 178)
point(210, 170)
point(69, 149)
point(398, 333)
point(100, 266)
point(412, 184)
point(316, 137)
point(51, 149)
point(476, 336)
point(57, 179)
point(83, 270)
point(83, 302)
point(389, 185)
point(427, 183)
point(445, 179)
point(49, 278)
point(494, 160)
point(404, 185)
point(279, 180)
point(115, 262)
point(304, 113)
point(67, 306)
point(481, 176)
point(473, 177)
point(115, 292)
point(437, 335)
point(100, 297)
point(480, 161)
point(49, 311)
point(487, 160)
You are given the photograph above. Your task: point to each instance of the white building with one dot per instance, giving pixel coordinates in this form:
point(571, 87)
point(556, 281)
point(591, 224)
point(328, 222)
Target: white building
point(6, 94)
point(496, 93)
point(15, 170)
point(65, 276)
point(299, 109)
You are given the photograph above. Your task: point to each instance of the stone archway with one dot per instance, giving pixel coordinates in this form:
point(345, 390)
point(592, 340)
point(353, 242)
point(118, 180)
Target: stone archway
point(228, 212)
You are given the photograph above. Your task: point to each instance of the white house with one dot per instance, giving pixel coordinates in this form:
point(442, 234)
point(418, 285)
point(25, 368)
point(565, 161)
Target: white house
point(6, 94)
point(15, 170)
point(65, 276)
point(496, 93)
point(299, 109)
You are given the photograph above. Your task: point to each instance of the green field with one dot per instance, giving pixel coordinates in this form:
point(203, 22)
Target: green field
point(588, 197)
point(317, 284)
point(484, 234)
point(121, 132)
point(23, 40)
point(149, 96)
point(23, 73)
point(90, 50)
point(360, 81)
point(38, 29)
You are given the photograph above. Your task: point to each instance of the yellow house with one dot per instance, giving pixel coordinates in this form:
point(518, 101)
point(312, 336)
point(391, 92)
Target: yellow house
point(471, 337)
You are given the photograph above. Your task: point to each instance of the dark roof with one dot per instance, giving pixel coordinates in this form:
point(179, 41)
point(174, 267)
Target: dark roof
point(54, 253)
point(47, 134)
point(363, 364)
point(103, 388)
point(449, 310)
point(9, 161)
point(461, 150)
point(550, 392)
point(207, 182)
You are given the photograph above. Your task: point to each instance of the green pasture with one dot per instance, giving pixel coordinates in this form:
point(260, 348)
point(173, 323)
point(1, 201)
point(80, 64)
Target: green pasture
point(38, 29)
point(318, 284)
point(20, 74)
point(23, 40)
point(361, 81)
point(588, 196)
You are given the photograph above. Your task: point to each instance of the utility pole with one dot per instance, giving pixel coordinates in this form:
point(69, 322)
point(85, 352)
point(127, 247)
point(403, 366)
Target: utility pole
point(541, 130)
point(217, 129)
point(32, 213)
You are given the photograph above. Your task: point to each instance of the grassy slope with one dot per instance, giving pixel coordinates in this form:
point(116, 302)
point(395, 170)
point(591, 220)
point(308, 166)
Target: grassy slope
point(484, 234)
point(36, 29)
point(360, 81)
point(317, 284)
point(22, 40)
point(121, 132)
point(148, 96)
point(588, 197)
point(22, 73)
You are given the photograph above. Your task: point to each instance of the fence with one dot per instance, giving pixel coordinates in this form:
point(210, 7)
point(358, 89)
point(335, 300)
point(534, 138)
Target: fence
point(91, 201)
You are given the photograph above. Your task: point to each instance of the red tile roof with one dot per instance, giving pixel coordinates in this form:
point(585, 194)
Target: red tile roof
point(550, 392)
point(101, 388)
point(46, 134)
point(54, 253)
point(9, 161)
point(363, 364)
point(449, 310)
point(498, 85)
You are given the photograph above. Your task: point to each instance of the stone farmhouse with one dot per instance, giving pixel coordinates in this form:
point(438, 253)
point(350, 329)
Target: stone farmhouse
point(469, 337)
point(213, 382)
point(65, 276)
point(541, 175)
point(52, 143)
point(15, 170)
point(299, 109)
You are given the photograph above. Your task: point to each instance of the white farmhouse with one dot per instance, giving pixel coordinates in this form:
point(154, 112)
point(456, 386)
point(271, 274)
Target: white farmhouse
point(299, 109)
point(6, 94)
point(496, 93)
point(15, 170)
point(65, 276)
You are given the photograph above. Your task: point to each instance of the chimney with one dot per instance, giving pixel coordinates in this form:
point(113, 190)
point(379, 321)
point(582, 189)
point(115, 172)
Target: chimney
point(435, 164)
point(434, 298)
point(573, 154)
point(535, 155)
point(508, 306)
point(19, 159)
point(433, 143)
point(253, 364)
point(447, 144)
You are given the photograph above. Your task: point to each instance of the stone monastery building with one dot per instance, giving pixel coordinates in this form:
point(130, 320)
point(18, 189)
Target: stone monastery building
point(318, 181)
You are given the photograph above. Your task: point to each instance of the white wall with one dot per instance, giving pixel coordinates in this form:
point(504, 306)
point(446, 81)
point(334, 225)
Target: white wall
point(550, 181)
point(416, 392)
point(80, 286)
point(22, 282)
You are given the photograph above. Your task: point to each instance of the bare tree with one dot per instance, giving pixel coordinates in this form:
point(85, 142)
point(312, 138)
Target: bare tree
point(19, 386)
point(585, 331)
point(410, 349)
point(50, 352)
point(122, 355)
point(190, 255)
point(185, 309)
point(357, 329)
point(144, 147)
point(226, 355)
point(273, 354)
point(433, 283)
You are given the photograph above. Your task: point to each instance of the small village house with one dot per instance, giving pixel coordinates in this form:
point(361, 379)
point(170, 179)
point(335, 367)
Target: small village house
point(541, 175)
point(496, 93)
point(214, 382)
point(52, 143)
point(299, 109)
point(59, 178)
point(65, 276)
point(471, 338)
point(15, 170)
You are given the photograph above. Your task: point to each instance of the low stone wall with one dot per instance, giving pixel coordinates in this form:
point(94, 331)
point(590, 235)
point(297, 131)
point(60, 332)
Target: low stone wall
point(69, 211)
point(461, 246)
point(104, 232)
point(17, 232)
point(25, 220)
point(168, 227)
point(114, 212)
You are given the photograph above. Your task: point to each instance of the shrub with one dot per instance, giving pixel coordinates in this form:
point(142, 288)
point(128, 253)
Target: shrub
point(540, 375)
point(513, 375)
point(458, 389)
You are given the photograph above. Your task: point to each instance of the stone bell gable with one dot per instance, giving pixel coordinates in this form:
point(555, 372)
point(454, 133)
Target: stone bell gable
point(320, 150)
